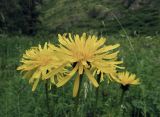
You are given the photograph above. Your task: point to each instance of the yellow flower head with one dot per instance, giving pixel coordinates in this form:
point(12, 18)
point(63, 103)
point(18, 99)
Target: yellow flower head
point(37, 62)
point(125, 78)
point(86, 53)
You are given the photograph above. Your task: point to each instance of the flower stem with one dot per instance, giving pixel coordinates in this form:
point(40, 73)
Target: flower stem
point(77, 97)
point(47, 99)
point(124, 89)
point(97, 89)
point(122, 97)
point(121, 110)
point(97, 94)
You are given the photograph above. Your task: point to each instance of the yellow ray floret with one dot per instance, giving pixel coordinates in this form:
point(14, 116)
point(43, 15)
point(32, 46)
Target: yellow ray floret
point(86, 52)
point(125, 78)
point(37, 62)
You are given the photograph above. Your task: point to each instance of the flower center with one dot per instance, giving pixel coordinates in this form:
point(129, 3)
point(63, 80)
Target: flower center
point(82, 56)
point(44, 60)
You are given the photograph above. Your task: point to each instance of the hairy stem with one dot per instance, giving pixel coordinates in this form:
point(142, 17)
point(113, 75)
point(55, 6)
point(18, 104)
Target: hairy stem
point(47, 99)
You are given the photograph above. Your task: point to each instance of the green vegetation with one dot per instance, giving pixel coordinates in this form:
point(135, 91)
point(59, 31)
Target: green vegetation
point(17, 16)
point(101, 16)
point(18, 100)
point(135, 24)
point(55, 16)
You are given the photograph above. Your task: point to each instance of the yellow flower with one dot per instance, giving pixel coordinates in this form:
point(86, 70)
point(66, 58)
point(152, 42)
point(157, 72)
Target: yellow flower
point(125, 78)
point(37, 62)
point(83, 53)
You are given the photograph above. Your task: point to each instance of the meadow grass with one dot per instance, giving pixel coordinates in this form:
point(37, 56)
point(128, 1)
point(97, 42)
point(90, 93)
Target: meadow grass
point(17, 99)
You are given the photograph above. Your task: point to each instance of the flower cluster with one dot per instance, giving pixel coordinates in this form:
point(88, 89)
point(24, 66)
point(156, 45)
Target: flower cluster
point(74, 56)
point(37, 62)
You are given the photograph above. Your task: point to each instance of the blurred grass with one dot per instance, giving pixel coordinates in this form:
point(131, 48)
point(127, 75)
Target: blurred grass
point(17, 99)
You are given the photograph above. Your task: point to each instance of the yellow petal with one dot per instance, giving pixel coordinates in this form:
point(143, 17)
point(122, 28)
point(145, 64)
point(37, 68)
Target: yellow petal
point(62, 40)
point(31, 80)
point(35, 85)
point(135, 82)
point(76, 86)
point(91, 78)
point(45, 46)
point(107, 48)
point(37, 74)
point(28, 74)
point(80, 69)
point(63, 81)
point(101, 79)
point(21, 67)
point(113, 77)
point(39, 47)
point(111, 56)
point(55, 71)
point(68, 77)
point(101, 41)
point(52, 80)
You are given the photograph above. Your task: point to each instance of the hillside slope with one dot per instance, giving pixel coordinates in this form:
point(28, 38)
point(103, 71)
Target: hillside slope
point(102, 17)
